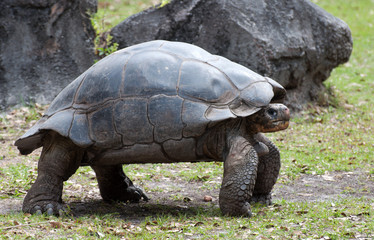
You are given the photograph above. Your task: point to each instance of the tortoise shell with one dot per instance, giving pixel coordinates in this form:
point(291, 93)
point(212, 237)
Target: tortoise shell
point(150, 93)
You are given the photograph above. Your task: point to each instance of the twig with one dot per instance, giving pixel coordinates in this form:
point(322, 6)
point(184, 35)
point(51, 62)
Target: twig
point(24, 225)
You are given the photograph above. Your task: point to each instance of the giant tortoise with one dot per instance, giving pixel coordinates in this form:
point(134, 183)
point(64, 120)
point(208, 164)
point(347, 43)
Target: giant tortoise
point(160, 102)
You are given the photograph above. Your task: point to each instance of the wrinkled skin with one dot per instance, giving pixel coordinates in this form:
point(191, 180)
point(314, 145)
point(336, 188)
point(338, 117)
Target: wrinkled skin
point(251, 165)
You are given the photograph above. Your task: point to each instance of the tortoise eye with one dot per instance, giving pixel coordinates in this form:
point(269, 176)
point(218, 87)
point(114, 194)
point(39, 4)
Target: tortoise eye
point(272, 112)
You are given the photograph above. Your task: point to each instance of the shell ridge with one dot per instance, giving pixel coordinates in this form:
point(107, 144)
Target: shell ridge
point(79, 86)
point(224, 74)
point(183, 122)
point(115, 128)
point(149, 120)
point(179, 76)
point(122, 85)
point(170, 53)
point(71, 124)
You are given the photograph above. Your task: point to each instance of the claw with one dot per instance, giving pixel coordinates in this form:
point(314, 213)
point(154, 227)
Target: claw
point(141, 193)
point(145, 197)
point(50, 211)
point(48, 206)
point(37, 210)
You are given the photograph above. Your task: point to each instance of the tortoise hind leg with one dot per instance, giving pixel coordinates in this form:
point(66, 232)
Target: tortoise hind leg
point(59, 160)
point(116, 186)
point(267, 173)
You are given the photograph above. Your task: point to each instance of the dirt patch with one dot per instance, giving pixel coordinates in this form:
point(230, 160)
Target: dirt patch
point(179, 196)
point(326, 187)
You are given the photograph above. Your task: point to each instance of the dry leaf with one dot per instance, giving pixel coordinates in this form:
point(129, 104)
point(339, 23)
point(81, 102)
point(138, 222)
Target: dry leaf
point(198, 224)
point(56, 224)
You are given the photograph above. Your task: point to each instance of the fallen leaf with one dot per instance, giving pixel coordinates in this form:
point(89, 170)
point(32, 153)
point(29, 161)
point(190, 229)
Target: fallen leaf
point(55, 224)
point(101, 235)
point(198, 224)
point(284, 228)
point(203, 178)
point(364, 213)
point(174, 230)
point(301, 212)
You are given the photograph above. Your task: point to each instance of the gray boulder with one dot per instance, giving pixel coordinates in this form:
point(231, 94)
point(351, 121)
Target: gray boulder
point(294, 42)
point(44, 45)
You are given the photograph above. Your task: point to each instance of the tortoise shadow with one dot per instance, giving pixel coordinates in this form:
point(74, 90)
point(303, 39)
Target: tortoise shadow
point(137, 212)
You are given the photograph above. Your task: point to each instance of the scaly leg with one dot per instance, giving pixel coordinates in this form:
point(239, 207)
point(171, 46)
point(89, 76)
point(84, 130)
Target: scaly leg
point(267, 173)
point(116, 186)
point(59, 160)
point(239, 177)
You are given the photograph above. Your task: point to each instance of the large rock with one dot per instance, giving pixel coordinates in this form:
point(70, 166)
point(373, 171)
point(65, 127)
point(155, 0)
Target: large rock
point(294, 42)
point(44, 45)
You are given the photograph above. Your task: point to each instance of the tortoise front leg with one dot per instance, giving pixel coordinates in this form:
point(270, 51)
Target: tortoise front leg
point(268, 171)
point(59, 160)
point(116, 186)
point(239, 177)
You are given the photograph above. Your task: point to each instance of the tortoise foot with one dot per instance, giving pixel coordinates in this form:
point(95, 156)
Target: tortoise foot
point(116, 186)
point(134, 194)
point(236, 209)
point(44, 207)
point(264, 199)
point(131, 194)
point(44, 195)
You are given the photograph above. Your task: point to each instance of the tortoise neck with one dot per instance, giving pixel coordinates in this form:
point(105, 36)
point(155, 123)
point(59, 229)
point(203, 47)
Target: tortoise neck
point(213, 143)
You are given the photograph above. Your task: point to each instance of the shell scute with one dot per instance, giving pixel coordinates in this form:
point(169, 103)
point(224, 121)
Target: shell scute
point(59, 122)
point(101, 128)
point(131, 121)
point(102, 81)
point(200, 81)
point(150, 73)
point(193, 118)
point(240, 76)
point(79, 132)
point(164, 113)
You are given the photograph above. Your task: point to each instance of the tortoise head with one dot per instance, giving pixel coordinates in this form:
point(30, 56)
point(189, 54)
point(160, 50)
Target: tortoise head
point(274, 117)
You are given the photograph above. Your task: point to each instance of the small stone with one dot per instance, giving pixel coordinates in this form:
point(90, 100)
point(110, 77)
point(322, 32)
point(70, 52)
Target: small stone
point(208, 198)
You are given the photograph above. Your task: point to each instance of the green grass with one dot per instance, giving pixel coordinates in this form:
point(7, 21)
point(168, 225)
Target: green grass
point(319, 141)
point(113, 12)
